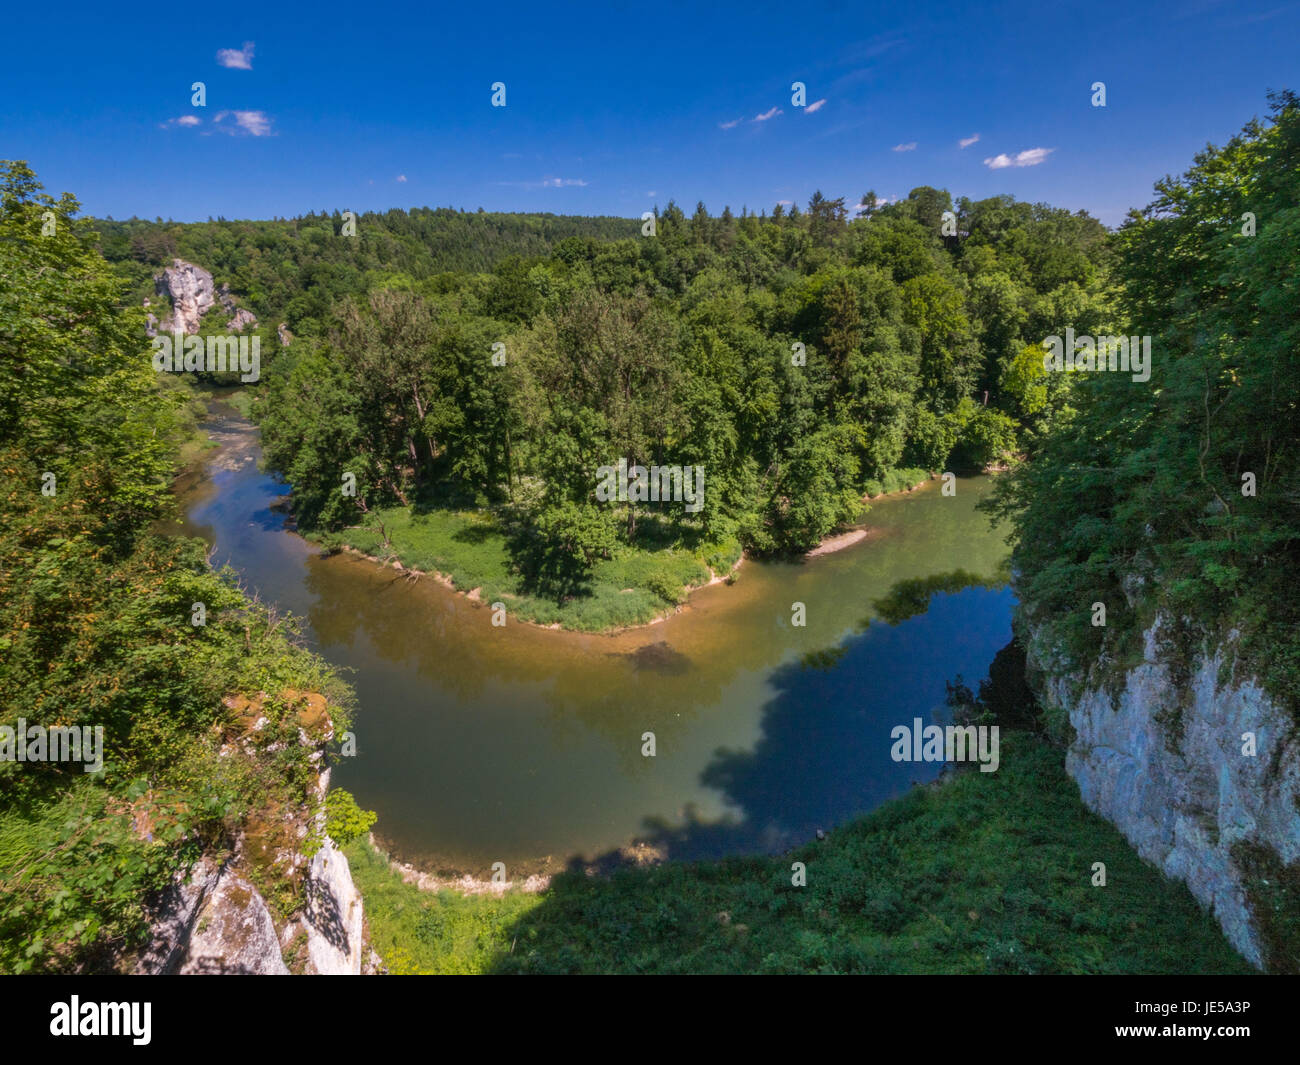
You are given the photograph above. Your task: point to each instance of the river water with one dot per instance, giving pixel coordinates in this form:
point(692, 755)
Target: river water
point(524, 745)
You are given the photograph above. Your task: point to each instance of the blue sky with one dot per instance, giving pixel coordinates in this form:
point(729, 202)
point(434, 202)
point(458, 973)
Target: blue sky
point(613, 107)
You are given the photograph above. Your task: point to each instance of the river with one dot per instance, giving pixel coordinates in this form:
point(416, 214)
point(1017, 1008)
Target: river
point(524, 745)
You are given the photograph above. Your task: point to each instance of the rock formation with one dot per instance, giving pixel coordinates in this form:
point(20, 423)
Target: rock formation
point(240, 319)
point(189, 288)
point(191, 293)
point(1202, 775)
point(213, 919)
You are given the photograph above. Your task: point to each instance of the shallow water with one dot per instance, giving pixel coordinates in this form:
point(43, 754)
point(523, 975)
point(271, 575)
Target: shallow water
point(523, 745)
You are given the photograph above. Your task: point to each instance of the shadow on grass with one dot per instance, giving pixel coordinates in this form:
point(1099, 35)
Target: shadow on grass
point(478, 533)
point(986, 874)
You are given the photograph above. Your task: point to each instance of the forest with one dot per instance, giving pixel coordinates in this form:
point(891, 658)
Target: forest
point(804, 359)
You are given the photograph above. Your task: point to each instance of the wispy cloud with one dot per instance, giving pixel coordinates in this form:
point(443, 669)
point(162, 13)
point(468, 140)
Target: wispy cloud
point(966, 142)
point(871, 48)
point(730, 125)
point(816, 105)
point(183, 120)
point(1031, 157)
point(401, 179)
point(1266, 15)
point(910, 146)
point(771, 113)
point(252, 123)
point(880, 202)
point(546, 183)
point(237, 58)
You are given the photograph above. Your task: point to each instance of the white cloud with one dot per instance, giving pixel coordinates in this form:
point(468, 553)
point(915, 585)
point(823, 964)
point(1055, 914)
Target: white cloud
point(785, 203)
point(183, 120)
point(545, 183)
point(816, 105)
point(966, 142)
point(1030, 157)
point(401, 179)
point(237, 58)
point(910, 146)
point(652, 193)
point(768, 114)
point(254, 123)
point(730, 125)
point(880, 202)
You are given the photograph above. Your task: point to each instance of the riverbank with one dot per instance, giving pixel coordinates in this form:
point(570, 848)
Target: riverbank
point(984, 873)
point(470, 552)
point(467, 551)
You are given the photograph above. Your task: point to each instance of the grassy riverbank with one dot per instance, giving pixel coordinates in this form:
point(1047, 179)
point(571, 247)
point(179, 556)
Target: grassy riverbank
point(471, 548)
point(987, 873)
point(643, 581)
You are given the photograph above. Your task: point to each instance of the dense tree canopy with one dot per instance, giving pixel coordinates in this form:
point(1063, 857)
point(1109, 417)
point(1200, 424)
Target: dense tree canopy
point(1179, 494)
point(803, 359)
point(96, 615)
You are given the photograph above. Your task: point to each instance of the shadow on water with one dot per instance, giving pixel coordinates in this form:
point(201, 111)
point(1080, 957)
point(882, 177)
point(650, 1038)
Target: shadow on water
point(824, 751)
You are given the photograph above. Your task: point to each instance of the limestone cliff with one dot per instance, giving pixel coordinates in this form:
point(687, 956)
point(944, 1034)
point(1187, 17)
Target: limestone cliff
point(192, 294)
point(190, 290)
point(213, 919)
point(1200, 770)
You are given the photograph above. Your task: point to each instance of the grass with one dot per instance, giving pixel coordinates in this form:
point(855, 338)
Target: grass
point(896, 481)
point(987, 873)
point(634, 587)
point(420, 933)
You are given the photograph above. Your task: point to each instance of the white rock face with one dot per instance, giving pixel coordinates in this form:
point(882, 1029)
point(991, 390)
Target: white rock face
point(234, 934)
point(333, 917)
point(1183, 794)
point(190, 290)
point(240, 319)
point(212, 920)
point(177, 918)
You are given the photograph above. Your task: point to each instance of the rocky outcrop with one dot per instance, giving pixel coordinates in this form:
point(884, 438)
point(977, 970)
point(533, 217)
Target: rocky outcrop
point(1201, 773)
point(226, 299)
point(177, 917)
point(214, 920)
point(240, 319)
point(190, 290)
point(235, 934)
point(331, 923)
point(286, 338)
